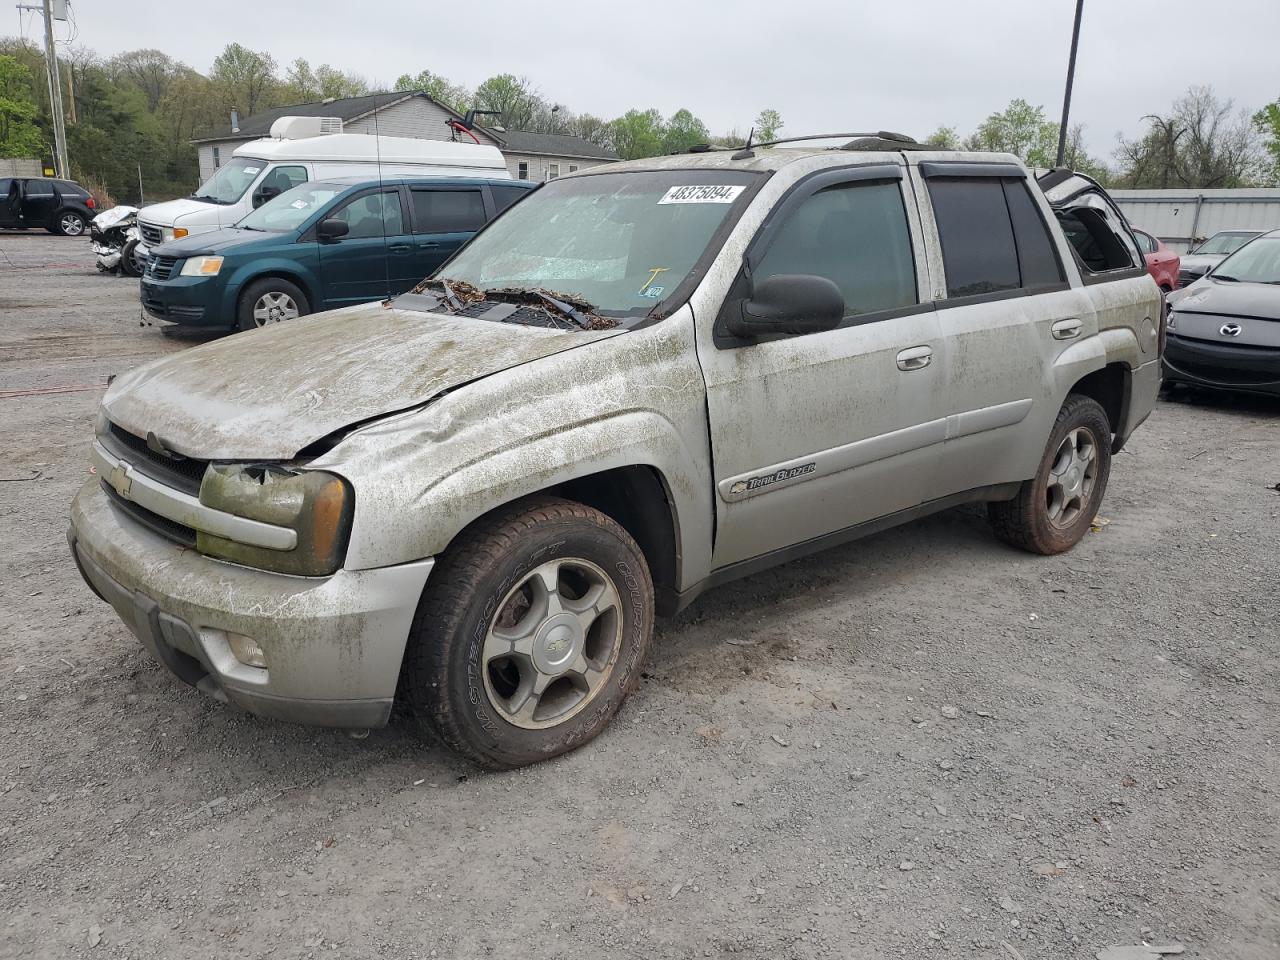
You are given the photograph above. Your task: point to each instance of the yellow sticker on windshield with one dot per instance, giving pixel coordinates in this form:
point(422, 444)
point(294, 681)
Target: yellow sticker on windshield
point(653, 275)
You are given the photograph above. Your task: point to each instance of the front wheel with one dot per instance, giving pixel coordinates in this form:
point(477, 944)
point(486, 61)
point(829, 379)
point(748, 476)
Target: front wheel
point(271, 300)
point(532, 631)
point(130, 265)
point(1053, 510)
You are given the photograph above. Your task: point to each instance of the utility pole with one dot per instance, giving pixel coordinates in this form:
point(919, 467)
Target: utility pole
point(51, 10)
point(1071, 76)
point(55, 92)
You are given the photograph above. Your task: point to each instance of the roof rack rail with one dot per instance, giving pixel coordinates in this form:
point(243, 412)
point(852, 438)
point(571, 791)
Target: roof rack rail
point(881, 136)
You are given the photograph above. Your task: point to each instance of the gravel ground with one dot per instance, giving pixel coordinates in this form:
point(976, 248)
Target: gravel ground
point(923, 745)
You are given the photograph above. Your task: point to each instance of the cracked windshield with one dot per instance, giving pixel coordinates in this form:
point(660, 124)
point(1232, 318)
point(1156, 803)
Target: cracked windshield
point(622, 242)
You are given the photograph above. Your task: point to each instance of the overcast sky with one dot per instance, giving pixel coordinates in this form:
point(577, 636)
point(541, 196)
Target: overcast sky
point(826, 65)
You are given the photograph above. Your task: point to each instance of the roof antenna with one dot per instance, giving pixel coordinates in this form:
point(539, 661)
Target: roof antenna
point(746, 153)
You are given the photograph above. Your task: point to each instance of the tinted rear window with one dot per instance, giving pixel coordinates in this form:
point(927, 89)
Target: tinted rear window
point(504, 196)
point(448, 211)
point(1037, 257)
point(978, 250)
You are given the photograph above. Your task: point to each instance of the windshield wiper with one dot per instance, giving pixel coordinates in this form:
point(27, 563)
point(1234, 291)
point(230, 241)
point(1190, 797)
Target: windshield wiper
point(208, 199)
point(1223, 276)
point(459, 294)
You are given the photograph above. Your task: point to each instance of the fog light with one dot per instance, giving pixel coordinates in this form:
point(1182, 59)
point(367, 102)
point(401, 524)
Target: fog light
point(246, 650)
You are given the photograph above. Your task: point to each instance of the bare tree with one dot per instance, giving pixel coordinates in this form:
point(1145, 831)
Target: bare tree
point(1202, 142)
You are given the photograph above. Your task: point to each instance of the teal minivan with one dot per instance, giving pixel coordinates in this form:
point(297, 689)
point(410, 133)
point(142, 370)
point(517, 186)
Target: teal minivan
point(322, 245)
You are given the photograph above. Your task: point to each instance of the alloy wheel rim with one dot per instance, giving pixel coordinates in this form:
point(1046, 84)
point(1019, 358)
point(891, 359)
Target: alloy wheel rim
point(273, 308)
point(553, 643)
point(1072, 477)
point(72, 225)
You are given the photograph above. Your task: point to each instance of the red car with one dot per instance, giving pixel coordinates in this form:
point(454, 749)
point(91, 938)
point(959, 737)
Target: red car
point(1162, 263)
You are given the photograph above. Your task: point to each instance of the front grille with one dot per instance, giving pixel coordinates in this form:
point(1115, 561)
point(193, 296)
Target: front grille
point(181, 473)
point(177, 532)
point(150, 233)
point(161, 268)
point(167, 311)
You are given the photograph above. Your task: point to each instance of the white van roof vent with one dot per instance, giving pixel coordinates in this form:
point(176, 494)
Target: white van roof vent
point(300, 128)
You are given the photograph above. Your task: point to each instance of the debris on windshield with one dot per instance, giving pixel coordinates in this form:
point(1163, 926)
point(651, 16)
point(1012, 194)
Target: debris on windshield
point(533, 305)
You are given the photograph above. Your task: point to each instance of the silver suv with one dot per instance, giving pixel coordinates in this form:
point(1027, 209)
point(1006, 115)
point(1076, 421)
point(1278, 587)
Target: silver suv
point(640, 382)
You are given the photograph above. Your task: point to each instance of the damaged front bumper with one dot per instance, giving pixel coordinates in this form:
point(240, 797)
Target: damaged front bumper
point(331, 646)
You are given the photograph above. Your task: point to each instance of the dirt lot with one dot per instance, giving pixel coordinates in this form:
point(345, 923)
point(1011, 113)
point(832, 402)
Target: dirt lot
point(924, 745)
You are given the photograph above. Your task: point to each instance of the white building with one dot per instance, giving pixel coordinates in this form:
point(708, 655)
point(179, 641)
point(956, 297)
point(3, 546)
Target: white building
point(530, 156)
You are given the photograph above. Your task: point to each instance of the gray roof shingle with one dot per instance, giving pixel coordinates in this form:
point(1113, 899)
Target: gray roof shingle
point(552, 144)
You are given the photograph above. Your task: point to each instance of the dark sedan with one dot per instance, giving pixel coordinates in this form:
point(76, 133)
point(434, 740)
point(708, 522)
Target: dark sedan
point(1224, 329)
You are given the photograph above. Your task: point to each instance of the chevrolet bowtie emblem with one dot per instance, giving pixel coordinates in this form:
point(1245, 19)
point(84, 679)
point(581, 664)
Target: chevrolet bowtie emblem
point(120, 480)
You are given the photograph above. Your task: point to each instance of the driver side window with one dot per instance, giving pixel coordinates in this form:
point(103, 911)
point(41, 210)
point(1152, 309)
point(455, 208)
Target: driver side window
point(855, 235)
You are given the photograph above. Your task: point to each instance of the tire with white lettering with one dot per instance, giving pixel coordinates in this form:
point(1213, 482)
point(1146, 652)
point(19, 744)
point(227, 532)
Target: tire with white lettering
point(533, 628)
point(1053, 510)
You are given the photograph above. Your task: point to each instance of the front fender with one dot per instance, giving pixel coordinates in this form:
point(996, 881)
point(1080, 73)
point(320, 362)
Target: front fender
point(249, 271)
point(632, 400)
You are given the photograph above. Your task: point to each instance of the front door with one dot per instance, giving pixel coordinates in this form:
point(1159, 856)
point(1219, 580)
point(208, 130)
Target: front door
point(814, 433)
point(444, 218)
point(358, 267)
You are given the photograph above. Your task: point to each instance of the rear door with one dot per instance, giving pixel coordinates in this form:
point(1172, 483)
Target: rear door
point(444, 218)
point(38, 201)
point(1006, 312)
point(814, 433)
point(357, 268)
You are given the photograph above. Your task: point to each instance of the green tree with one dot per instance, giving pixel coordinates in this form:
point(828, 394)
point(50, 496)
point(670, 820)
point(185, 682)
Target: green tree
point(1020, 129)
point(513, 98)
point(151, 71)
point(944, 138)
point(19, 134)
point(590, 128)
point(1267, 122)
point(768, 125)
point(245, 79)
point(682, 131)
point(437, 87)
point(637, 133)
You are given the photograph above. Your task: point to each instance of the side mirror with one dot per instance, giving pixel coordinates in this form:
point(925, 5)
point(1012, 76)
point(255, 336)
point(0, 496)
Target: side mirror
point(332, 229)
point(789, 303)
point(263, 194)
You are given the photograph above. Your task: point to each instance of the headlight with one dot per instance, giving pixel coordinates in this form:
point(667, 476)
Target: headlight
point(202, 267)
point(173, 233)
point(1170, 323)
point(318, 506)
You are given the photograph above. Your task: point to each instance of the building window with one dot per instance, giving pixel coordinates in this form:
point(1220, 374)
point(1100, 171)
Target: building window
point(553, 170)
point(573, 168)
point(217, 159)
point(522, 170)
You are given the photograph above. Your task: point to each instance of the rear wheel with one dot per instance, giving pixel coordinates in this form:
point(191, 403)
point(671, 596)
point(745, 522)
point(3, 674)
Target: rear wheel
point(271, 300)
point(1053, 510)
point(68, 223)
point(532, 631)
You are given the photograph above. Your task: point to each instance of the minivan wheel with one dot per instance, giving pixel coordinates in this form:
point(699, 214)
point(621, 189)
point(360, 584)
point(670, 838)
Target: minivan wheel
point(1054, 509)
point(69, 224)
point(533, 629)
point(270, 300)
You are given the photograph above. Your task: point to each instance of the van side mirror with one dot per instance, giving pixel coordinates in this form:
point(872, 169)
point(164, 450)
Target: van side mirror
point(332, 229)
point(789, 303)
point(263, 194)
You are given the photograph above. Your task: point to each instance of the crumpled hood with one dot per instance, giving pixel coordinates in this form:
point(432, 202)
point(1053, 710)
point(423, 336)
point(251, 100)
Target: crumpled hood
point(266, 394)
point(1224, 298)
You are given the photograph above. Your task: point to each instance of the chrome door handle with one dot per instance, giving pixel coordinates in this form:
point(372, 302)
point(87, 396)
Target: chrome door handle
point(915, 358)
point(1066, 329)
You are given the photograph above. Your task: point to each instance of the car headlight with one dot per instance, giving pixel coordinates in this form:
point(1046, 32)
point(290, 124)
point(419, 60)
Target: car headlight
point(202, 267)
point(1170, 322)
point(318, 506)
point(173, 233)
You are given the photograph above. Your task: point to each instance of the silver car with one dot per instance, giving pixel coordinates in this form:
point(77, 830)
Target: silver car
point(641, 381)
point(1211, 253)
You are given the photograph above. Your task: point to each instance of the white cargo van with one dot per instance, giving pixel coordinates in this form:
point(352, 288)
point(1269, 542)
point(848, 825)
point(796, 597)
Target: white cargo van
point(296, 151)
